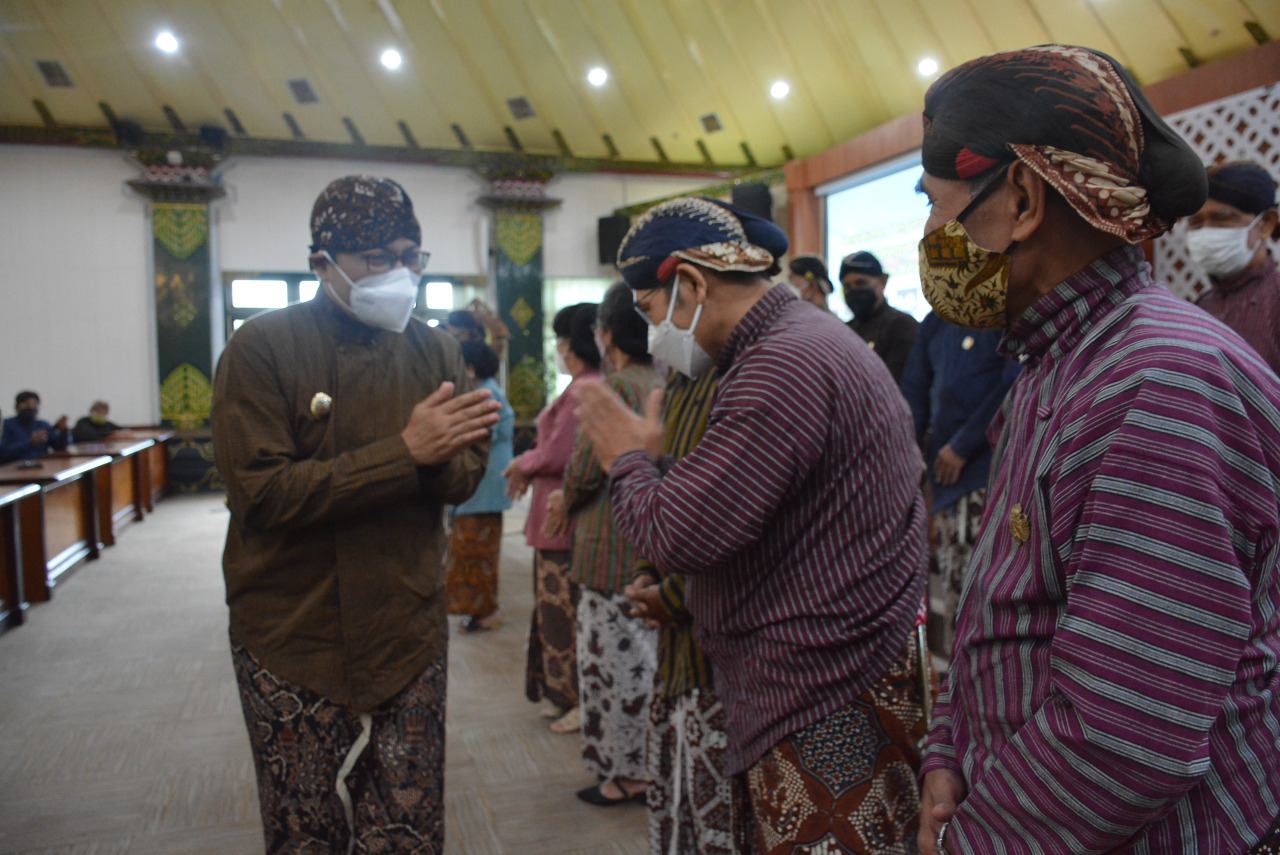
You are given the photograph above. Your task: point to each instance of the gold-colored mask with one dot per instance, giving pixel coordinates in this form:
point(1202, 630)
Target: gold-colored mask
point(965, 284)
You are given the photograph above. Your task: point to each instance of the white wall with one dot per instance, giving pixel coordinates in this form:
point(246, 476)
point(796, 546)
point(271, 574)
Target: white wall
point(75, 251)
point(569, 231)
point(263, 222)
point(77, 306)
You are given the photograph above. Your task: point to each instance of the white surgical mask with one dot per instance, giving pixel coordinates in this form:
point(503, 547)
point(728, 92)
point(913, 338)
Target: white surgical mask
point(1221, 253)
point(383, 300)
point(676, 347)
point(562, 367)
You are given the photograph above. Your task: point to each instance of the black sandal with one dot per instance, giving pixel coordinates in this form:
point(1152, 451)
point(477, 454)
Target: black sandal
point(471, 623)
point(595, 796)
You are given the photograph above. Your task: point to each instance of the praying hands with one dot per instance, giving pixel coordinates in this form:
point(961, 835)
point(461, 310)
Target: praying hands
point(613, 428)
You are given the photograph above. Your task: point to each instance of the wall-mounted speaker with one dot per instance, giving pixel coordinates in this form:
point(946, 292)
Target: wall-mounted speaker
point(214, 136)
point(754, 199)
point(609, 235)
point(128, 132)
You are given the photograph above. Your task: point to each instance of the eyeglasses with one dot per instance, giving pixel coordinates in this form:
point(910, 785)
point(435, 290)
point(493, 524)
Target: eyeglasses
point(641, 309)
point(380, 261)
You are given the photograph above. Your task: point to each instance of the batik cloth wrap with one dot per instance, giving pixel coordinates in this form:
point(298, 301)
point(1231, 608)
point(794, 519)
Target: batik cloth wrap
point(954, 531)
point(1078, 119)
point(694, 807)
point(1270, 842)
point(551, 668)
point(471, 575)
point(362, 212)
point(705, 232)
point(846, 784)
point(617, 655)
point(325, 771)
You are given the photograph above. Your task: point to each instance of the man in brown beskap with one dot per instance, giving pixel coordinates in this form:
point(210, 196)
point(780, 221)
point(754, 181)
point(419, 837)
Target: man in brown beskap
point(342, 427)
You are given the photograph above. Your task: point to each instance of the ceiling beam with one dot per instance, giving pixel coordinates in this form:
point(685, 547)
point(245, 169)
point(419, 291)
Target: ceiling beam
point(103, 137)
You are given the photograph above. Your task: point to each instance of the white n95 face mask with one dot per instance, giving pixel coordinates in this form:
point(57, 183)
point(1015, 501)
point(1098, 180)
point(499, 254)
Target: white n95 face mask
point(384, 300)
point(676, 347)
point(1221, 253)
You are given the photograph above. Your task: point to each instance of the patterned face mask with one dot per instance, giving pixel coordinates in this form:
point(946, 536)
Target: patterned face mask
point(964, 283)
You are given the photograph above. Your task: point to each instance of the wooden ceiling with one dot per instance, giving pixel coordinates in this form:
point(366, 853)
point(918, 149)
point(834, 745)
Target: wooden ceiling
point(851, 65)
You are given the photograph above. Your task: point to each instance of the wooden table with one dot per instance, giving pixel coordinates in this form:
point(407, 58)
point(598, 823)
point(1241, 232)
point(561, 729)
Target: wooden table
point(62, 530)
point(13, 601)
point(124, 488)
point(157, 462)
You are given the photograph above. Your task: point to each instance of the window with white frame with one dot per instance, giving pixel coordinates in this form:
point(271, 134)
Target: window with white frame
point(248, 294)
point(879, 211)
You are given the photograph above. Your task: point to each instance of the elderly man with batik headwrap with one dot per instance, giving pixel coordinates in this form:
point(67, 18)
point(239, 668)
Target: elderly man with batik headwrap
point(343, 427)
point(798, 523)
point(1115, 684)
point(1227, 239)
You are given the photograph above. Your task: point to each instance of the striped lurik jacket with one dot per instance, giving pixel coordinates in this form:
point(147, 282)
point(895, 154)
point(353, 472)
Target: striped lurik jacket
point(798, 522)
point(601, 559)
point(682, 666)
point(1115, 684)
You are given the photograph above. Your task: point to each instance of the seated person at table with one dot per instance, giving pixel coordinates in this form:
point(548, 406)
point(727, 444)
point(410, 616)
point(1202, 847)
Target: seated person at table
point(94, 427)
point(27, 437)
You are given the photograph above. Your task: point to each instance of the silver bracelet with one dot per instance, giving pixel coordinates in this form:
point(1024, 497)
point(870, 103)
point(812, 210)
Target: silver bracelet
point(942, 835)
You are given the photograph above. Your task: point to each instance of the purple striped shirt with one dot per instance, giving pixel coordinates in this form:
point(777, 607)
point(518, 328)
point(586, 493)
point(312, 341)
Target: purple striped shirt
point(1250, 305)
point(1115, 683)
point(798, 522)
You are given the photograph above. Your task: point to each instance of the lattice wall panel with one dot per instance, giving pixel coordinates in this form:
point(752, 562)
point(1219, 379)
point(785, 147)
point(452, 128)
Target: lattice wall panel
point(1242, 127)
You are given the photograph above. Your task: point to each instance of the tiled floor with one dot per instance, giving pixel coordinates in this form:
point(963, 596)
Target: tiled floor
point(120, 727)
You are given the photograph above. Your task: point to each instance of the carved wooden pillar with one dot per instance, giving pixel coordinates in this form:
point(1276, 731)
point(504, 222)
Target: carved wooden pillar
point(179, 199)
point(517, 199)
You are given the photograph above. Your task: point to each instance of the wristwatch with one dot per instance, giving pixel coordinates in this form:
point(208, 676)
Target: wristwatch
point(941, 845)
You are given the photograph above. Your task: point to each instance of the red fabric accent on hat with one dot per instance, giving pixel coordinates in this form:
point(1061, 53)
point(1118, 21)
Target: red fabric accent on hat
point(969, 164)
point(667, 268)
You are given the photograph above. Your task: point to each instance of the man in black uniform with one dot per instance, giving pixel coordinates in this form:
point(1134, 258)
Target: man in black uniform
point(887, 331)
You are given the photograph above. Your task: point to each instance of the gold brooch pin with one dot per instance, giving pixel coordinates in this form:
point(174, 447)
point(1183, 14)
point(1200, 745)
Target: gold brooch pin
point(321, 404)
point(1019, 525)
point(871, 344)
point(967, 343)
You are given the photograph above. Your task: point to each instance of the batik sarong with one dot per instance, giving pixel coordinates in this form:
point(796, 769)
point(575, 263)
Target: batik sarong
point(617, 655)
point(694, 807)
point(471, 580)
point(846, 784)
point(954, 532)
point(551, 669)
point(325, 770)
point(1270, 842)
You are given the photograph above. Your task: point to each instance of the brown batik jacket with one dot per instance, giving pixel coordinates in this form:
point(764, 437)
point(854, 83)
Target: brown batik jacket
point(333, 558)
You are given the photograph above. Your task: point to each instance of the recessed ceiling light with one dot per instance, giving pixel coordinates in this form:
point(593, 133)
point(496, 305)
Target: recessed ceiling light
point(391, 58)
point(779, 90)
point(927, 67)
point(167, 42)
point(597, 76)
